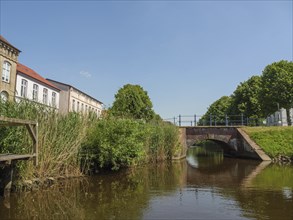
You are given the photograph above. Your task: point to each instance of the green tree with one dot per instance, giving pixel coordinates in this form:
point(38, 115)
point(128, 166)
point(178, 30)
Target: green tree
point(277, 88)
point(245, 99)
point(131, 101)
point(217, 111)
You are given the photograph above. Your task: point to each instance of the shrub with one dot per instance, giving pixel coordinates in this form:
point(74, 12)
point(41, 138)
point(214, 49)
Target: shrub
point(115, 142)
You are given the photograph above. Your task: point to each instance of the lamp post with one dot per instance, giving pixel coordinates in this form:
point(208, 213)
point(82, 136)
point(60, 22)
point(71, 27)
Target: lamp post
point(280, 121)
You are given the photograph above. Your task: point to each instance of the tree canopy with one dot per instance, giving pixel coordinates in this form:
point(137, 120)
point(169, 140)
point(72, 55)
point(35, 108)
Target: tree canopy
point(217, 110)
point(277, 87)
point(245, 99)
point(132, 101)
point(259, 96)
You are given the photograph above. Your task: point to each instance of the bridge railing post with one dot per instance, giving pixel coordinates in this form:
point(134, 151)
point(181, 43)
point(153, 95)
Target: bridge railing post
point(179, 120)
point(242, 119)
point(194, 120)
point(210, 119)
point(226, 120)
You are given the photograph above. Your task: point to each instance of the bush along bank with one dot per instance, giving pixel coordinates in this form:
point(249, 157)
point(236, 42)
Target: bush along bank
point(74, 144)
point(277, 142)
point(113, 143)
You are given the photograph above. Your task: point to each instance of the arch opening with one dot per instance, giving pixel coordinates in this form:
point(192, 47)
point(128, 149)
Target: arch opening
point(227, 149)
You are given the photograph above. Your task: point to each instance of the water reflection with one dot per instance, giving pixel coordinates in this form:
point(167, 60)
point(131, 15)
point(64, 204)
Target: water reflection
point(205, 186)
point(204, 156)
point(121, 195)
point(208, 167)
point(262, 190)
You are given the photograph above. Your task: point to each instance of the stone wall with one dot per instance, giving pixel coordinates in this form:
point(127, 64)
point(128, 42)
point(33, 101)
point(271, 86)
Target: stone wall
point(8, 54)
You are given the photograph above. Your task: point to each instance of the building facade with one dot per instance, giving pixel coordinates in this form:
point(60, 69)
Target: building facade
point(279, 118)
point(31, 86)
point(74, 100)
point(8, 64)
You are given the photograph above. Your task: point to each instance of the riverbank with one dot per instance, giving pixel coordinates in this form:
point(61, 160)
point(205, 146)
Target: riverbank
point(277, 142)
point(76, 144)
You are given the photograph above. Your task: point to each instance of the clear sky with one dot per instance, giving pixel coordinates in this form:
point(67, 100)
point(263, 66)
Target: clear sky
point(186, 54)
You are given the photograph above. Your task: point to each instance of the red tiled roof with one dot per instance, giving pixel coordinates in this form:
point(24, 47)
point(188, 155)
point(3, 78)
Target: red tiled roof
point(6, 42)
point(31, 73)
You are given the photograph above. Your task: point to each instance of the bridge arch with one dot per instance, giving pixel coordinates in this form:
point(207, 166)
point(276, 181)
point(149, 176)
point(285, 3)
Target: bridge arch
point(222, 143)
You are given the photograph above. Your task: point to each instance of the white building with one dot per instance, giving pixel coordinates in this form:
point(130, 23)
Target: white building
point(279, 118)
point(74, 100)
point(30, 85)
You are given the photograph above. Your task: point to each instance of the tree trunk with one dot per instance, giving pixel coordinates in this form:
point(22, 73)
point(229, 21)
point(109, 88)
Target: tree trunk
point(288, 117)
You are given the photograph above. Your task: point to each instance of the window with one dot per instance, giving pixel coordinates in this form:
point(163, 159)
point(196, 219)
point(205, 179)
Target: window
point(81, 107)
point(23, 90)
point(85, 108)
point(54, 99)
point(6, 72)
point(73, 105)
point(77, 107)
point(45, 96)
point(4, 96)
point(35, 92)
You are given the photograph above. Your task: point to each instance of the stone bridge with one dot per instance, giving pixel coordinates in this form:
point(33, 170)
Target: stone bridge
point(234, 141)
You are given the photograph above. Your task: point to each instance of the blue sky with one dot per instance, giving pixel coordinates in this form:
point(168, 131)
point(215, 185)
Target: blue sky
point(186, 54)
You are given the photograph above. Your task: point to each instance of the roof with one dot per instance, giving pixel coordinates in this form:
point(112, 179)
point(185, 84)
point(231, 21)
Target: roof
point(31, 73)
point(54, 81)
point(9, 44)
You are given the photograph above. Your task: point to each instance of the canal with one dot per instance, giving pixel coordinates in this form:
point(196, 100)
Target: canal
point(204, 186)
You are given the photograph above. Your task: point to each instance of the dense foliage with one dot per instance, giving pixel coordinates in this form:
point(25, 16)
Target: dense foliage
point(277, 87)
point(115, 142)
point(257, 97)
point(245, 99)
point(131, 101)
point(216, 112)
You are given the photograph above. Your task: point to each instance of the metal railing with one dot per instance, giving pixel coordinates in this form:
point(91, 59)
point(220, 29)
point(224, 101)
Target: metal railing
point(214, 120)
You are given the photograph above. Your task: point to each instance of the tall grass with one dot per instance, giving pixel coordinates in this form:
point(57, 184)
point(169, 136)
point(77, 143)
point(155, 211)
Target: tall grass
point(71, 144)
point(59, 139)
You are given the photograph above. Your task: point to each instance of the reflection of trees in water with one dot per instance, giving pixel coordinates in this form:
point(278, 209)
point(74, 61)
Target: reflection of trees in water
point(122, 195)
point(54, 203)
point(126, 194)
point(260, 204)
point(205, 156)
point(270, 195)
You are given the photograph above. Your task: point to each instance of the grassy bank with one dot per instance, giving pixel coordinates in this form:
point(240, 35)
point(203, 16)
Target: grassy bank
point(275, 141)
point(73, 144)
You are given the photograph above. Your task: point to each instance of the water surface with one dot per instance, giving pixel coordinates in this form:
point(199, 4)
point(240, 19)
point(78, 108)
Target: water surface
point(204, 186)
